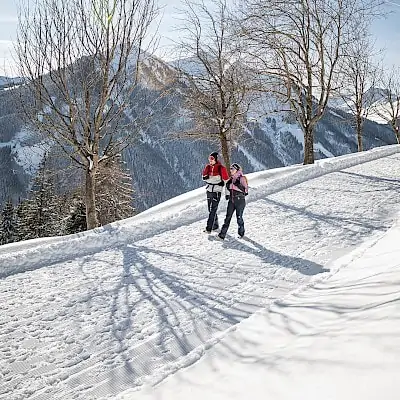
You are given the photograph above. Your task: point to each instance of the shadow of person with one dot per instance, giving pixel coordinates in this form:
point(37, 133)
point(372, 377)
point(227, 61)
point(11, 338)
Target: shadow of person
point(305, 267)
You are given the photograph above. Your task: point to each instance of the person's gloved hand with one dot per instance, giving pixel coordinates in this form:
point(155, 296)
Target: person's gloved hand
point(205, 177)
point(246, 194)
point(221, 183)
point(227, 197)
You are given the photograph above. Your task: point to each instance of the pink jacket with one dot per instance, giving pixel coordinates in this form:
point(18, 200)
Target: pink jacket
point(237, 178)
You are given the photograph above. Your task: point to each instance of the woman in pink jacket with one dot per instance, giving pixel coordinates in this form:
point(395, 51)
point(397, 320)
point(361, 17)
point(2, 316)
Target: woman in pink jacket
point(236, 190)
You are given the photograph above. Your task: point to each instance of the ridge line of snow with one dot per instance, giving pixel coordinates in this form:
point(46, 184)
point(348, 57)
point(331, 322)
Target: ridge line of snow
point(183, 209)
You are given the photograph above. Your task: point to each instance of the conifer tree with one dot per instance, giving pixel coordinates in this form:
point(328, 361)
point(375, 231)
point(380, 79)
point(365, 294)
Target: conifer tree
point(23, 221)
point(76, 220)
point(44, 217)
point(39, 215)
point(114, 192)
point(8, 224)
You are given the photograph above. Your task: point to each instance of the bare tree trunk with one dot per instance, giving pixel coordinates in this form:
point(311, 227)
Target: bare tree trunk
point(308, 145)
point(298, 47)
point(358, 73)
point(359, 125)
point(90, 199)
point(219, 89)
point(390, 81)
point(395, 129)
point(225, 150)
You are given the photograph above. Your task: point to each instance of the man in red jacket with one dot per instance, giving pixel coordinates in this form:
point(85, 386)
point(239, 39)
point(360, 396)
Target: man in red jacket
point(215, 175)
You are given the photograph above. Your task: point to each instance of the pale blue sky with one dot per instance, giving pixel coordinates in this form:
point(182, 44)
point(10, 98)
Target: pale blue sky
point(386, 31)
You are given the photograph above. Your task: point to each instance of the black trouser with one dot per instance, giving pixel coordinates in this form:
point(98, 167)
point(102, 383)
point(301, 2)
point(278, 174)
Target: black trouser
point(237, 203)
point(213, 199)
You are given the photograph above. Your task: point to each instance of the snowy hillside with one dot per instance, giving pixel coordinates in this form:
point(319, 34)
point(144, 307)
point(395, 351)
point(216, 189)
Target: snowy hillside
point(99, 314)
point(7, 82)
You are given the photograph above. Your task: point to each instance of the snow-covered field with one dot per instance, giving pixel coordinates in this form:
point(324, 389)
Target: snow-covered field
point(337, 338)
point(125, 306)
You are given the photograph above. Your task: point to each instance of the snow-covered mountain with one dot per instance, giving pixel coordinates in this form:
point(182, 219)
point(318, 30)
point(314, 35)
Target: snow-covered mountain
point(163, 167)
point(375, 101)
point(107, 314)
point(380, 109)
point(375, 95)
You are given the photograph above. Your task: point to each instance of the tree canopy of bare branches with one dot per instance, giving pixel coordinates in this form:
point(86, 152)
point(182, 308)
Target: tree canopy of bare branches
point(358, 88)
point(218, 89)
point(388, 108)
point(80, 60)
point(297, 45)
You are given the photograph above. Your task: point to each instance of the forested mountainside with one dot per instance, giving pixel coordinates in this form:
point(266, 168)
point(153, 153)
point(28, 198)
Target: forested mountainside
point(162, 165)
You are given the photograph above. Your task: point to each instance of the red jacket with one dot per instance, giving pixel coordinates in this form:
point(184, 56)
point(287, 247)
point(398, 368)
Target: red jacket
point(213, 175)
point(216, 169)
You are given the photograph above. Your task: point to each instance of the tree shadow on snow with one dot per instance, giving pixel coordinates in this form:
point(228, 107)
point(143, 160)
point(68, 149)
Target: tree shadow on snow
point(160, 313)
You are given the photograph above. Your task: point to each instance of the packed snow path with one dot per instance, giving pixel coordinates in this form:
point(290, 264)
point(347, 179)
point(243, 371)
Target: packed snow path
point(88, 326)
point(336, 338)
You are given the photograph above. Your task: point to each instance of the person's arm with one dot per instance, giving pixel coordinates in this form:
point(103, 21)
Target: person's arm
point(243, 182)
point(227, 190)
point(206, 173)
point(224, 174)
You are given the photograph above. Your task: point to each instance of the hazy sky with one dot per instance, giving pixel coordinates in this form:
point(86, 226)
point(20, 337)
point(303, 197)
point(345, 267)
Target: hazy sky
point(386, 31)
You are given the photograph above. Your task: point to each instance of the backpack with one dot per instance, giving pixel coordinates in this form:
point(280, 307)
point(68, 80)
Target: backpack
point(239, 185)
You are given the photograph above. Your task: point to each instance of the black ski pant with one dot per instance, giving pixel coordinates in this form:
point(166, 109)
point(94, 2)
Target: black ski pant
point(213, 199)
point(235, 203)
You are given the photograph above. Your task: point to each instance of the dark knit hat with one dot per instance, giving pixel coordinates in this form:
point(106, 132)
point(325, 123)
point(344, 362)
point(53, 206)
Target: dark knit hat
point(236, 166)
point(214, 155)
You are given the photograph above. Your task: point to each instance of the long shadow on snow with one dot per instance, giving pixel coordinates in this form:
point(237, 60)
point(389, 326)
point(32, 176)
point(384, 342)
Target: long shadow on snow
point(182, 314)
point(393, 183)
point(342, 223)
point(174, 295)
point(306, 267)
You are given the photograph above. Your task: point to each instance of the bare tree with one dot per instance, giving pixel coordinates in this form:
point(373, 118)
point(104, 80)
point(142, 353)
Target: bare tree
point(218, 90)
point(81, 60)
point(297, 45)
point(388, 108)
point(358, 89)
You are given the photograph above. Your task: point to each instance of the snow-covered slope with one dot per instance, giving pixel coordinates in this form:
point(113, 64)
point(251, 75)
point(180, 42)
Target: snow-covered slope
point(8, 82)
point(92, 315)
point(337, 338)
